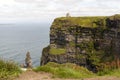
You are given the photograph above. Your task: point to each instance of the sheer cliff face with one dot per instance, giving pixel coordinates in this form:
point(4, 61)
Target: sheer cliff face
point(86, 41)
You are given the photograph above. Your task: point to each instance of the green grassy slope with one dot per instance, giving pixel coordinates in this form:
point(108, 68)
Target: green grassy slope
point(67, 70)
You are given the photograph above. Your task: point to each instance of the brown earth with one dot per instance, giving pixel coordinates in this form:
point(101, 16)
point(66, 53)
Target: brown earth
point(31, 75)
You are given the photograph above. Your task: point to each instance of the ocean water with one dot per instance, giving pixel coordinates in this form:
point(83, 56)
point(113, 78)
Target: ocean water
point(17, 39)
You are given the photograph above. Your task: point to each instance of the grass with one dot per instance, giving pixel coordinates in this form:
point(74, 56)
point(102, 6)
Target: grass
point(91, 22)
point(67, 70)
point(106, 72)
point(116, 16)
point(57, 51)
point(8, 70)
point(72, 44)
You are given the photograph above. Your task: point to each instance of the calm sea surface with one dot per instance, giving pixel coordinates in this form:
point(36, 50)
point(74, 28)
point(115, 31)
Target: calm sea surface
point(17, 39)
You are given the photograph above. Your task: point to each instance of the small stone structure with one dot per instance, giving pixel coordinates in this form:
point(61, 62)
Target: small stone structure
point(67, 15)
point(28, 60)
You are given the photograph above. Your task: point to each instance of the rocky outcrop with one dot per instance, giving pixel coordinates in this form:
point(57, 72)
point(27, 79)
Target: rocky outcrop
point(86, 41)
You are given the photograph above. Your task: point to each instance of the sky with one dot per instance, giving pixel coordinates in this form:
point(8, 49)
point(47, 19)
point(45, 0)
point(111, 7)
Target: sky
point(47, 10)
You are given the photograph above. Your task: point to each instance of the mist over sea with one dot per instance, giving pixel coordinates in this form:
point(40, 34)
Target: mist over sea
point(17, 39)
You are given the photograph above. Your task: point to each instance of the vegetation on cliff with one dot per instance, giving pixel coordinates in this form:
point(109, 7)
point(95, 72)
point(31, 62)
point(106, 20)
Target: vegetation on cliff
point(108, 72)
point(56, 51)
point(67, 70)
point(8, 70)
point(90, 22)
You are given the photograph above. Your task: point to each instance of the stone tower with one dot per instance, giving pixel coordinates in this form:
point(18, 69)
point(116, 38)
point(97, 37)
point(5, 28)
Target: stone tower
point(67, 15)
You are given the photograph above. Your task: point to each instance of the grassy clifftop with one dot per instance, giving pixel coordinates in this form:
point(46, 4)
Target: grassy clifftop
point(90, 22)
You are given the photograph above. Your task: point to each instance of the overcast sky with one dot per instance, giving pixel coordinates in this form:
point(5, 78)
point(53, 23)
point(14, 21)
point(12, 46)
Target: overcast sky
point(47, 10)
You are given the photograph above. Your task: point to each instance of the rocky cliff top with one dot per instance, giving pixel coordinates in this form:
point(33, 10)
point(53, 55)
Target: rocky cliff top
point(89, 22)
point(115, 17)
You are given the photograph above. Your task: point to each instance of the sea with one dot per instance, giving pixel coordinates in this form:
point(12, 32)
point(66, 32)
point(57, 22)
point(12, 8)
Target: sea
point(19, 38)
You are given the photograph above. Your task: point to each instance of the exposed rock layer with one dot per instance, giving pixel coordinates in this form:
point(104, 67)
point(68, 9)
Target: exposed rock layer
point(86, 41)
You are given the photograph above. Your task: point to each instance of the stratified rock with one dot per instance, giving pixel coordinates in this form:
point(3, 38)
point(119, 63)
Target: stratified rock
point(86, 41)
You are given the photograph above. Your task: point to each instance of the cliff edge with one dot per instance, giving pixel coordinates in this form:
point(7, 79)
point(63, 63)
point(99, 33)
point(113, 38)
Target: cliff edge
point(92, 42)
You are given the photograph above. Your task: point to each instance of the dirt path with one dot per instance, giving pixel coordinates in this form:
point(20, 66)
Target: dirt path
point(31, 75)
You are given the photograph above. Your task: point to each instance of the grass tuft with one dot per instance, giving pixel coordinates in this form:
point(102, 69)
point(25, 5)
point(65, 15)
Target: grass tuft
point(56, 51)
point(8, 70)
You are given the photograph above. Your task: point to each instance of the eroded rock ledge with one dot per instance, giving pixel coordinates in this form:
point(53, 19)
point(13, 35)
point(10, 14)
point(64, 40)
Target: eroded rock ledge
point(86, 41)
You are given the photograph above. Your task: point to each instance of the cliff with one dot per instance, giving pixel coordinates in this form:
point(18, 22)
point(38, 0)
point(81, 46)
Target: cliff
point(92, 42)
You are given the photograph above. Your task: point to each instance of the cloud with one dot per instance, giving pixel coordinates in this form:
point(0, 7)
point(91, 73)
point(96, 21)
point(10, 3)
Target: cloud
point(26, 9)
point(26, 1)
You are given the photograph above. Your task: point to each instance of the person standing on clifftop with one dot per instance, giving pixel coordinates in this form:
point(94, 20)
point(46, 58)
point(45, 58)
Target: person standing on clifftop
point(28, 60)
